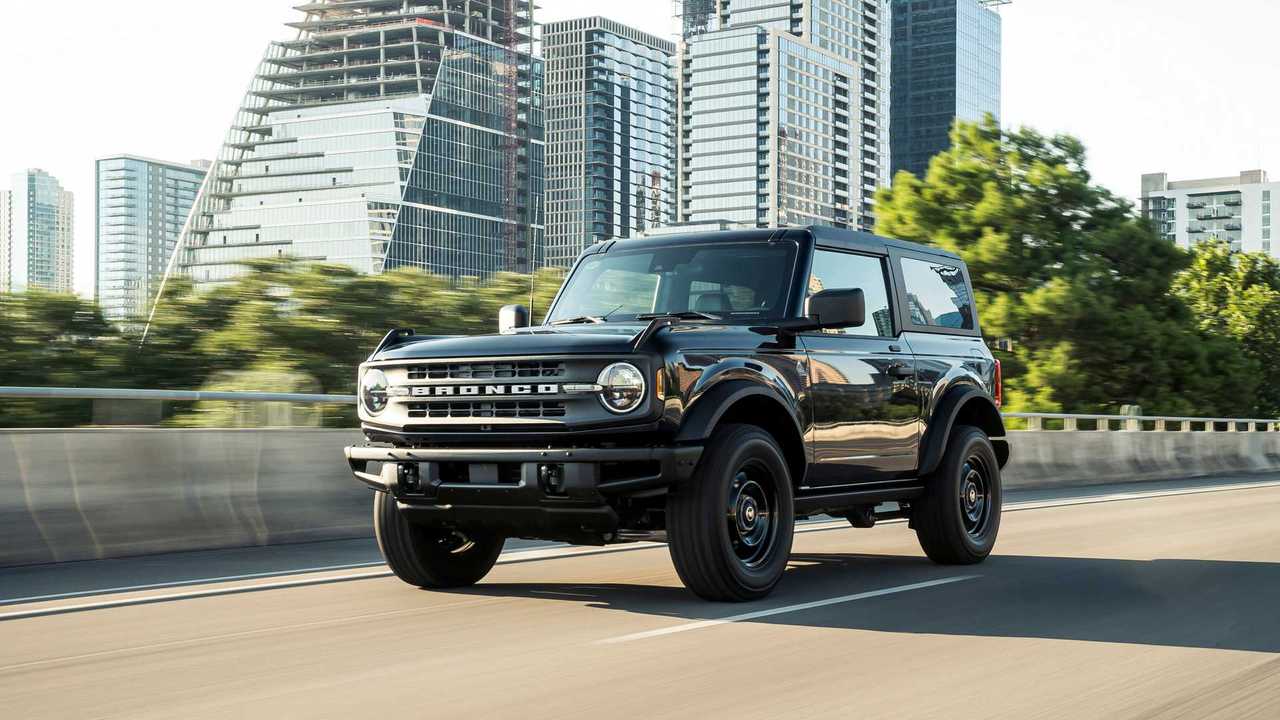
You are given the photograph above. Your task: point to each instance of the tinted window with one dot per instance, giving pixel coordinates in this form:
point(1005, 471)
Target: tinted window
point(842, 271)
point(738, 282)
point(937, 294)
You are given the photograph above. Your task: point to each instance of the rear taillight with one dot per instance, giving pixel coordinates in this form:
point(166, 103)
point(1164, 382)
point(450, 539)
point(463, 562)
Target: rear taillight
point(999, 389)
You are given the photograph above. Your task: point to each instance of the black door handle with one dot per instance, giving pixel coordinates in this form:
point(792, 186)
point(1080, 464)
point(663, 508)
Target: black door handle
point(901, 370)
point(895, 348)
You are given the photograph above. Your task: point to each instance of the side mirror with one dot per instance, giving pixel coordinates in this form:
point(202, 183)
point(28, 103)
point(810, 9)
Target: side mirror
point(511, 317)
point(831, 309)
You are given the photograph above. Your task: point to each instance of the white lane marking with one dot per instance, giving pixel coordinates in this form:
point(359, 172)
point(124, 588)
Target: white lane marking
point(510, 556)
point(700, 624)
point(548, 553)
point(149, 599)
point(185, 583)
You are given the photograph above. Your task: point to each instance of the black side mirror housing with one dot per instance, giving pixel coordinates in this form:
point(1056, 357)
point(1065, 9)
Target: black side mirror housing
point(511, 317)
point(834, 309)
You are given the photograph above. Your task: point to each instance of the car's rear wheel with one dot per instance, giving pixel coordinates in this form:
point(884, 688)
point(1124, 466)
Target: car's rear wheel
point(429, 557)
point(729, 529)
point(958, 517)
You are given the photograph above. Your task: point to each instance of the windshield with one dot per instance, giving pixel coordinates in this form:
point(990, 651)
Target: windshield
point(736, 282)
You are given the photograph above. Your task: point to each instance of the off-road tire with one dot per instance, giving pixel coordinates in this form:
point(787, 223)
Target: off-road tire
point(741, 480)
point(950, 526)
point(428, 557)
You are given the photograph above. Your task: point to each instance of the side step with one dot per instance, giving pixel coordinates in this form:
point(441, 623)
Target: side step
point(837, 502)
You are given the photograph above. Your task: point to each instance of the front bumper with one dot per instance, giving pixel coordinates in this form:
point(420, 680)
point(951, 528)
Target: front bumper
point(502, 489)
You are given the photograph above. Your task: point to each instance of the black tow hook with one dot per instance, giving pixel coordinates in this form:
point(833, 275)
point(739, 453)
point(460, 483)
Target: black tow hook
point(408, 478)
point(551, 478)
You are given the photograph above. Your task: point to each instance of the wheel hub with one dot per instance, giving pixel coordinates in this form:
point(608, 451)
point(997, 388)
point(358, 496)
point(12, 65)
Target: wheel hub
point(974, 501)
point(750, 515)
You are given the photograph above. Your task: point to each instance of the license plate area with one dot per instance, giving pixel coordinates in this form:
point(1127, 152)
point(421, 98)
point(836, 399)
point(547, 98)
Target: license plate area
point(494, 474)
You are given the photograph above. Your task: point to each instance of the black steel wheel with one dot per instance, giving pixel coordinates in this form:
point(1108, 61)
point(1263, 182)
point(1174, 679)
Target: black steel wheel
point(729, 529)
point(429, 557)
point(958, 517)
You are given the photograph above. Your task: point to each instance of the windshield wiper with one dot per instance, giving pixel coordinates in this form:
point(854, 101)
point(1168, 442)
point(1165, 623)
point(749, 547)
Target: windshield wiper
point(683, 315)
point(593, 319)
point(579, 320)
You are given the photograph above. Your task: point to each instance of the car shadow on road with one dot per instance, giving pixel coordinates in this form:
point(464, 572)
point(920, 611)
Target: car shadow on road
point(1184, 603)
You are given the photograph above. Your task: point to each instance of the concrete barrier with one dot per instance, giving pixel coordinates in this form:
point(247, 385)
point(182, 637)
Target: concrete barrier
point(1046, 459)
point(100, 493)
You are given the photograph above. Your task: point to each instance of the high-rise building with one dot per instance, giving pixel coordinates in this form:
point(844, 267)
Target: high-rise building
point(142, 206)
point(1235, 209)
point(387, 134)
point(946, 66)
point(610, 134)
point(783, 111)
point(36, 234)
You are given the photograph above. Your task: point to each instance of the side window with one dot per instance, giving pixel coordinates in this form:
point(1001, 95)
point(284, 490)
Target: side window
point(834, 270)
point(937, 294)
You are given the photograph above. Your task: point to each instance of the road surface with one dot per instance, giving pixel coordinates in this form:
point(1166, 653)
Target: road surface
point(1160, 602)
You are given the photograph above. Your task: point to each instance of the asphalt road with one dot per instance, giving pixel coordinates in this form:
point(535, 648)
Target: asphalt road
point(1164, 605)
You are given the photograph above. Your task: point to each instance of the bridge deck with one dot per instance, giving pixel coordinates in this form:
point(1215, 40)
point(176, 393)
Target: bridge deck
point(1153, 602)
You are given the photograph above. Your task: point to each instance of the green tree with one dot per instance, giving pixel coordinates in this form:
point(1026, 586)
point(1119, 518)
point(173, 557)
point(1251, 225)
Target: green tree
point(1067, 273)
point(1237, 296)
point(49, 340)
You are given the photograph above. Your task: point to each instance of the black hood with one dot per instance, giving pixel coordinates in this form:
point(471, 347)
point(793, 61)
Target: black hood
point(602, 339)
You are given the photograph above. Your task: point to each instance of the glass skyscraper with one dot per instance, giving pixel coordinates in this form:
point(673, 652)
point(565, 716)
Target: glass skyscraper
point(783, 111)
point(142, 206)
point(610, 134)
point(387, 134)
point(946, 65)
point(36, 234)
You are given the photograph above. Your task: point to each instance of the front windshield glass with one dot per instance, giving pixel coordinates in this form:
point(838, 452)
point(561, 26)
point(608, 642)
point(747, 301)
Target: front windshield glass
point(737, 282)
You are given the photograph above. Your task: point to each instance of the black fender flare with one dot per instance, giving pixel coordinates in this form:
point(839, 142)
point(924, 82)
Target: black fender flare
point(974, 404)
point(708, 408)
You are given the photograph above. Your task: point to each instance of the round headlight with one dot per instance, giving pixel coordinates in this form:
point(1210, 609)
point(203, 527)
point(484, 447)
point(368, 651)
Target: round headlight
point(373, 391)
point(623, 387)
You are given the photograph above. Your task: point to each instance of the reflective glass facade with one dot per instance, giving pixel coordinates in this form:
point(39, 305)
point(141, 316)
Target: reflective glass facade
point(388, 134)
point(783, 112)
point(946, 66)
point(36, 234)
point(142, 206)
point(610, 134)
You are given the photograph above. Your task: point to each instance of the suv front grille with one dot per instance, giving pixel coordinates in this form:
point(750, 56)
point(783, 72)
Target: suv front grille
point(486, 409)
point(488, 370)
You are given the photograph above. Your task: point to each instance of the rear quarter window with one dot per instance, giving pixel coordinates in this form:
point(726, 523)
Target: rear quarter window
point(937, 295)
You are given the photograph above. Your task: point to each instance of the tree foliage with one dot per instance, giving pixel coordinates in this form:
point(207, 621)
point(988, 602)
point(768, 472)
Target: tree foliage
point(1067, 276)
point(283, 326)
point(1237, 296)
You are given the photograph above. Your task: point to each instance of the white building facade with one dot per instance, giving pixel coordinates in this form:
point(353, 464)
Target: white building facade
point(783, 111)
point(142, 206)
point(36, 234)
point(1235, 209)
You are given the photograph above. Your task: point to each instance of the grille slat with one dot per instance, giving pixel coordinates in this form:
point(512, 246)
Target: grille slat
point(499, 370)
point(488, 409)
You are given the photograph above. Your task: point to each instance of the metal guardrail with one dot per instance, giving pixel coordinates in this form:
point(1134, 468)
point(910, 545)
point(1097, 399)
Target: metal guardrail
point(1149, 423)
point(1034, 421)
point(175, 395)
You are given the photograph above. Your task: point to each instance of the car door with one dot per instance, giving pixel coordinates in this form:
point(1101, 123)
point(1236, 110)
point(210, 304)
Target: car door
point(865, 405)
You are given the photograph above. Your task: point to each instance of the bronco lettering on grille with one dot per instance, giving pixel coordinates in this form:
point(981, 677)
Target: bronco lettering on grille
point(482, 390)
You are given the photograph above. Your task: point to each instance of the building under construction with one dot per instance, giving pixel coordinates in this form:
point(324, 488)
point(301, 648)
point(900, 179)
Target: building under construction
point(389, 133)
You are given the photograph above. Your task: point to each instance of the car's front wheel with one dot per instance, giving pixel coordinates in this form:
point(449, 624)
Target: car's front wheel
point(729, 529)
point(958, 517)
point(429, 557)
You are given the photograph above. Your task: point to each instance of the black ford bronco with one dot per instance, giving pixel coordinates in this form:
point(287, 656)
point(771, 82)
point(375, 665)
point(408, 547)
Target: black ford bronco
point(703, 389)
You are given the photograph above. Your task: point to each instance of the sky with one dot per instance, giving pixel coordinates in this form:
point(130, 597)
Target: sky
point(1180, 86)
